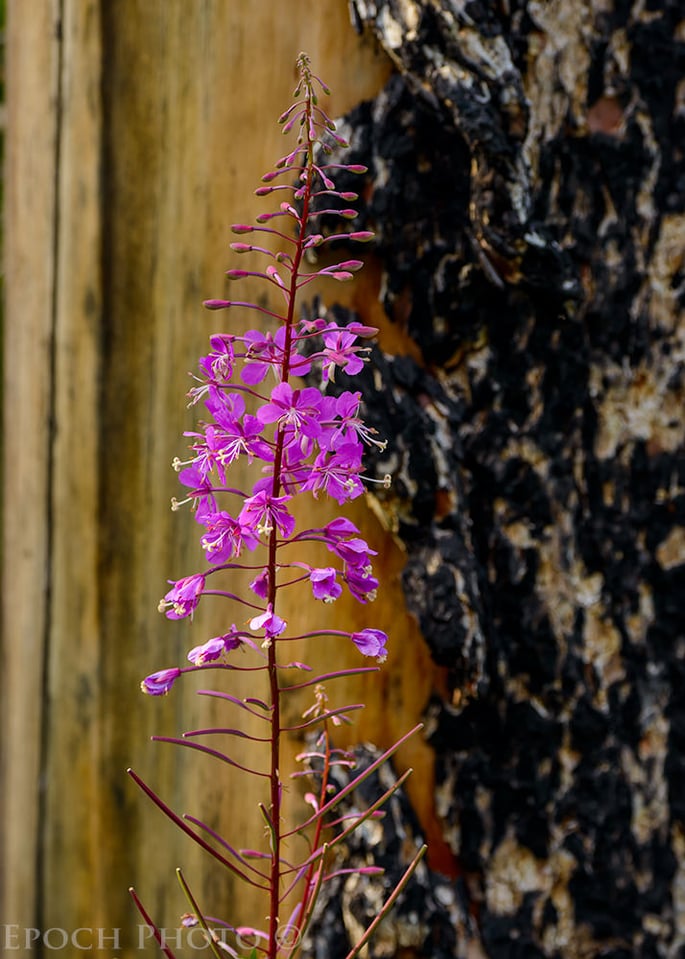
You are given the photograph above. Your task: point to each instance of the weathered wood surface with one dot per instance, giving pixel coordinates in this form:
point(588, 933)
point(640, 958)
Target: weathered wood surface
point(137, 132)
point(526, 187)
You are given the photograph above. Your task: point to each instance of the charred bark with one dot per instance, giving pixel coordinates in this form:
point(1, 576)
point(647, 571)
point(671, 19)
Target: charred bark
point(527, 192)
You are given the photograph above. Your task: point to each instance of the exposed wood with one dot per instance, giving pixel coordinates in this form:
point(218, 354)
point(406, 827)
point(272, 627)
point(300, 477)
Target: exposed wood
point(137, 133)
point(30, 213)
point(71, 817)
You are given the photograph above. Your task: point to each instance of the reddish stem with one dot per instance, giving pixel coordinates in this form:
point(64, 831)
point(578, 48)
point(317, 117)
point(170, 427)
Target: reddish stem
point(308, 881)
point(274, 686)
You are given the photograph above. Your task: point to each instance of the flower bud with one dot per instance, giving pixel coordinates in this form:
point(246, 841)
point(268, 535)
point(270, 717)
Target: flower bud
point(352, 265)
point(159, 684)
point(216, 304)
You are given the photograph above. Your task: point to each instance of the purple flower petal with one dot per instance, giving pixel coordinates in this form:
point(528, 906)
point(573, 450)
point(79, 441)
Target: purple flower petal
point(260, 584)
point(159, 684)
point(272, 624)
point(214, 648)
point(371, 642)
point(325, 585)
point(182, 600)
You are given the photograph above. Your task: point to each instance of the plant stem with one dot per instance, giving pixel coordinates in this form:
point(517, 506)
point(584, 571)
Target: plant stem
point(274, 685)
point(307, 894)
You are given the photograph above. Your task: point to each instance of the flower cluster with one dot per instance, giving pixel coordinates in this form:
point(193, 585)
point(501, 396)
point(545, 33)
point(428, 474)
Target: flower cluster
point(300, 441)
point(303, 440)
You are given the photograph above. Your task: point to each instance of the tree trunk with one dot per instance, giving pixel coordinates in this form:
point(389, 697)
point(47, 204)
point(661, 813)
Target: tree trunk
point(529, 202)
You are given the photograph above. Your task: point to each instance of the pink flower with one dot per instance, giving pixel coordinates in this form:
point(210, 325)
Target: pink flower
point(338, 473)
point(325, 585)
point(355, 552)
point(262, 512)
point(304, 441)
point(182, 600)
point(159, 684)
point(371, 642)
point(201, 489)
point(265, 350)
point(260, 584)
point(236, 438)
point(361, 583)
point(352, 426)
point(214, 648)
point(272, 624)
point(340, 528)
point(226, 537)
point(218, 365)
point(339, 350)
point(296, 409)
point(262, 352)
point(224, 440)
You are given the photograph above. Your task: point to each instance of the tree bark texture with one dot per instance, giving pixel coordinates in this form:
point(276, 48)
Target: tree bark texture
point(527, 191)
point(528, 195)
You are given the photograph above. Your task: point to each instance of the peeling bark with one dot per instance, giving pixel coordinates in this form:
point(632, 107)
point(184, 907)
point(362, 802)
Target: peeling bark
point(527, 191)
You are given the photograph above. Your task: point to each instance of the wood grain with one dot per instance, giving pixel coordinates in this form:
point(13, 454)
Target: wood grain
point(137, 134)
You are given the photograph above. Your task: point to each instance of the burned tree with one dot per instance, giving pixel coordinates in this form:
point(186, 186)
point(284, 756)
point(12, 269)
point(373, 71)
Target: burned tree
point(527, 193)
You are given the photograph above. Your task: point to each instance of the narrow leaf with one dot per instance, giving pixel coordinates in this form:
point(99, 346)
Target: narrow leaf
point(358, 818)
point(368, 813)
point(226, 845)
point(200, 747)
point(155, 930)
point(190, 832)
point(356, 781)
point(323, 717)
point(229, 732)
point(389, 903)
point(326, 676)
point(309, 908)
point(238, 702)
point(198, 914)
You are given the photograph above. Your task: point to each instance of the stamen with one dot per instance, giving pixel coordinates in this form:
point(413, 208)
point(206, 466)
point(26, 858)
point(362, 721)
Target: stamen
point(386, 482)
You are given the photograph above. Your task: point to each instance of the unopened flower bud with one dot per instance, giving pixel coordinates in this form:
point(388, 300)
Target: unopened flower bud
point(216, 304)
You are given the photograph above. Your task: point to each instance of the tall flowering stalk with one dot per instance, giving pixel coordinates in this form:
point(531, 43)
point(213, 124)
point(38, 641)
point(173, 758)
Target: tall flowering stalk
point(306, 442)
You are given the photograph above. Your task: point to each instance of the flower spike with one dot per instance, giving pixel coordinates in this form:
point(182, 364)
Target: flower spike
point(267, 405)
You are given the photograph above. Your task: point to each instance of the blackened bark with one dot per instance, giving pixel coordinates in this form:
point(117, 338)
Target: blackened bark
point(527, 190)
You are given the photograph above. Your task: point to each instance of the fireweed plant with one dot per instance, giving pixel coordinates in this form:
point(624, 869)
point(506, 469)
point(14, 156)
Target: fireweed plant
point(306, 442)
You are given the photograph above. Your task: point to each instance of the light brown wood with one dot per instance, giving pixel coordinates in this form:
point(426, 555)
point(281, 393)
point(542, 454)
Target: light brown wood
point(29, 196)
point(137, 134)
